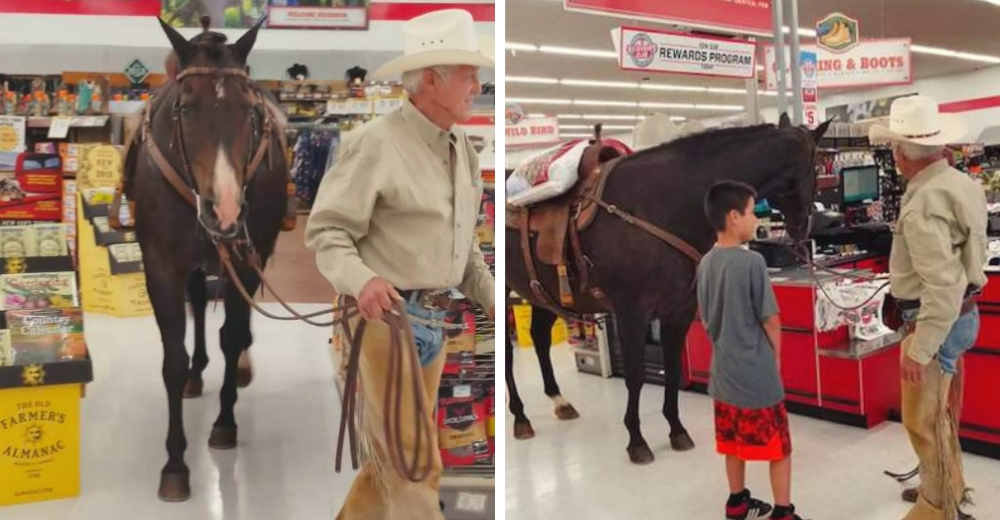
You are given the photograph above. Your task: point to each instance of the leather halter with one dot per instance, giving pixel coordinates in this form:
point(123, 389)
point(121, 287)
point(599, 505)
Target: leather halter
point(186, 186)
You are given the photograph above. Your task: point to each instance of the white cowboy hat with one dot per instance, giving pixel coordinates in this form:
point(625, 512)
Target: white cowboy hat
point(653, 131)
point(916, 120)
point(445, 37)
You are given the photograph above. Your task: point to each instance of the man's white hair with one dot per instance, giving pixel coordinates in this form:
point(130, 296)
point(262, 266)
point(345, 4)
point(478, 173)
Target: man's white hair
point(413, 80)
point(919, 152)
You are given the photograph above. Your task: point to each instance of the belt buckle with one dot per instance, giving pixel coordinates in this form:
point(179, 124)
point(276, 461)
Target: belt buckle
point(434, 299)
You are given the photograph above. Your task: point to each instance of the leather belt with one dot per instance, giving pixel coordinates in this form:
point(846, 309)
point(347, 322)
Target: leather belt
point(428, 298)
point(909, 305)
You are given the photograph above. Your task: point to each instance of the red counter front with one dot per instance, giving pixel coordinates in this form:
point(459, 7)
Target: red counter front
point(829, 376)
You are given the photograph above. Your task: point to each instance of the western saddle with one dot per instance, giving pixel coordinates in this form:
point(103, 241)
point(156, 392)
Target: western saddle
point(554, 221)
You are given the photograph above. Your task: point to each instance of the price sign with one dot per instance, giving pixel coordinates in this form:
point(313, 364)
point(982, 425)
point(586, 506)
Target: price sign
point(60, 127)
point(471, 502)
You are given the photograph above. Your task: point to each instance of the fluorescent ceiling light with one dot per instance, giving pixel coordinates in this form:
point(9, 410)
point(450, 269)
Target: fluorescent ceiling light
point(591, 83)
point(720, 107)
point(678, 88)
point(678, 106)
point(530, 79)
point(573, 51)
point(606, 127)
point(678, 118)
point(594, 103)
point(774, 93)
point(936, 51)
point(569, 116)
point(536, 114)
point(540, 101)
point(611, 117)
point(575, 135)
point(527, 47)
point(715, 90)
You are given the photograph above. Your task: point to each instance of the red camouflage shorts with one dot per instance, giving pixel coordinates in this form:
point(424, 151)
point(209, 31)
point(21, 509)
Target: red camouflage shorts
point(752, 434)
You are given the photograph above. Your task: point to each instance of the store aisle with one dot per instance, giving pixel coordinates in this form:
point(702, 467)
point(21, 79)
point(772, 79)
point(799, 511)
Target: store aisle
point(283, 467)
point(579, 470)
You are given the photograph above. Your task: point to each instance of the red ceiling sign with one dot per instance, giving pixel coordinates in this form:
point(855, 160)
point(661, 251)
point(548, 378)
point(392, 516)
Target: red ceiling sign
point(83, 7)
point(732, 16)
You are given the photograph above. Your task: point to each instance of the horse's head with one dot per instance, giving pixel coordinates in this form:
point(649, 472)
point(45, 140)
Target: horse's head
point(794, 192)
point(214, 119)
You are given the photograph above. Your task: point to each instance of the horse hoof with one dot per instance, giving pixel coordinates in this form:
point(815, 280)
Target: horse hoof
point(566, 412)
point(244, 370)
point(681, 442)
point(523, 430)
point(640, 455)
point(910, 495)
point(193, 388)
point(222, 438)
point(175, 487)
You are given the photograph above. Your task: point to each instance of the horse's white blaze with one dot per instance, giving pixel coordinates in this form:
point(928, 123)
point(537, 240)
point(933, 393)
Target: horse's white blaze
point(227, 191)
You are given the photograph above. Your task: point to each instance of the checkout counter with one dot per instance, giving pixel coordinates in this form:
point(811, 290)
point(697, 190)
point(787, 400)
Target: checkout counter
point(832, 376)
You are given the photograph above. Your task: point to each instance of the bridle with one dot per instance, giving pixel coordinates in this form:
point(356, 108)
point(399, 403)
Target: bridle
point(190, 190)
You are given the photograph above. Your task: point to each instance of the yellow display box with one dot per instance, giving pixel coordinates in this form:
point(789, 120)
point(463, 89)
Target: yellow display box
point(40, 431)
point(522, 322)
point(121, 295)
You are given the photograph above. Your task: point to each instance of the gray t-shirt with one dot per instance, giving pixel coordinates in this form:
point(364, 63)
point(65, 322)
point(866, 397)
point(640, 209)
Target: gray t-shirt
point(735, 297)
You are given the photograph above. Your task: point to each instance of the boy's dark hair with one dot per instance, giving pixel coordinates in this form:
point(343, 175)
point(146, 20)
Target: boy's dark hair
point(723, 197)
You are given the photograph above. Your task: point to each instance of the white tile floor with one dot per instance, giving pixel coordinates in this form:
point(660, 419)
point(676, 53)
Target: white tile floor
point(283, 467)
point(579, 470)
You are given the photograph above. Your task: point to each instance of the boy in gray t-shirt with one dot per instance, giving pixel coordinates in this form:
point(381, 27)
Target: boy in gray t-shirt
point(740, 313)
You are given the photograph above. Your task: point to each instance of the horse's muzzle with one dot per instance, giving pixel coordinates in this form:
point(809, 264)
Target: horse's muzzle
point(209, 220)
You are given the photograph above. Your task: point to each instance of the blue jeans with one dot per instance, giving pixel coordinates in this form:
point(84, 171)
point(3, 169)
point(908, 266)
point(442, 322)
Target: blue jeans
point(960, 338)
point(429, 340)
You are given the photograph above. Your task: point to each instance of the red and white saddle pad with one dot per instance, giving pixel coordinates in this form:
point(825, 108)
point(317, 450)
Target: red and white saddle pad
point(551, 172)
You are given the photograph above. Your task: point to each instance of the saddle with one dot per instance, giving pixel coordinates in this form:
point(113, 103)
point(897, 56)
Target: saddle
point(557, 221)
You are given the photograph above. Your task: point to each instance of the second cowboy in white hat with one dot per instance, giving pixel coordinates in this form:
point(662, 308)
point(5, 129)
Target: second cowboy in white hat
point(394, 220)
point(936, 268)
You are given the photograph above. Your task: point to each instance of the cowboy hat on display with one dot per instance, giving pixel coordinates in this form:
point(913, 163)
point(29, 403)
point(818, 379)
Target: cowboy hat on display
point(916, 120)
point(446, 37)
point(653, 131)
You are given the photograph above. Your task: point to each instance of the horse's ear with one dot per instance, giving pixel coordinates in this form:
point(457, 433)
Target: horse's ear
point(181, 46)
point(784, 121)
point(820, 130)
point(243, 46)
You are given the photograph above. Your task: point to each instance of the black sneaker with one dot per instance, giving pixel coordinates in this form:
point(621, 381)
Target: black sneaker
point(785, 513)
point(748, 508)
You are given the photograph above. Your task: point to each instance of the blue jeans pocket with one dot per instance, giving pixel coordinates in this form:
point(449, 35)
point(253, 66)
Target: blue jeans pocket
point(960, 338)
point(429, 340)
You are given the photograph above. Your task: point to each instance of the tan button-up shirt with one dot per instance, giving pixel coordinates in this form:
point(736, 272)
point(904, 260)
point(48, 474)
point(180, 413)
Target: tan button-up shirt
point(402, 203)
point(938, 251)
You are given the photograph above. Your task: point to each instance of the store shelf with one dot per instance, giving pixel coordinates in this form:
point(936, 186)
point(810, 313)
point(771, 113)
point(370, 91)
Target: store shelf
point(78, 122)
point(469, 495)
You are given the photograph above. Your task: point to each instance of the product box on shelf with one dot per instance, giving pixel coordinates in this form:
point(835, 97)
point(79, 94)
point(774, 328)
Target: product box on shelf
point(30, 291)
point(40, 430)
point(35, 193)
point(460, 345)
point(46, 335)
point(462, 423)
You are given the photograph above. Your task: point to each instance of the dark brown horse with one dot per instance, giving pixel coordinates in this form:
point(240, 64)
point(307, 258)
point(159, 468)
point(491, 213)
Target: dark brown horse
point(643, 278)
point(206, 131)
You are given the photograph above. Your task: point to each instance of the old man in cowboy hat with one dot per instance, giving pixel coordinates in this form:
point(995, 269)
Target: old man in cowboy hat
point(936, 268)
point(395, 220)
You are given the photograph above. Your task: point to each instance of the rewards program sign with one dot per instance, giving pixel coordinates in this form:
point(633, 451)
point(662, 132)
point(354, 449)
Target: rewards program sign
point(657, 51)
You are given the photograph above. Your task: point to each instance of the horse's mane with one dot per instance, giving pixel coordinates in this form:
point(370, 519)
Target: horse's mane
point(709, 138)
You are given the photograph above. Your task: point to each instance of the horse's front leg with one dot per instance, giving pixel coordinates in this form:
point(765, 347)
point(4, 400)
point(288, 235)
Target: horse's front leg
point(166, 293)
point(235, 338)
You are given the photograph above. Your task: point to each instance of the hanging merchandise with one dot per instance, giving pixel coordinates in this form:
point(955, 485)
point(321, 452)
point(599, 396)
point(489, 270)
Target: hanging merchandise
point(298, 72)
point(315, 151)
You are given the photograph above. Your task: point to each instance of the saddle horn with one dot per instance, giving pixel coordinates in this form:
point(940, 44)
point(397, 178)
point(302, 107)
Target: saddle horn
point(597, 133)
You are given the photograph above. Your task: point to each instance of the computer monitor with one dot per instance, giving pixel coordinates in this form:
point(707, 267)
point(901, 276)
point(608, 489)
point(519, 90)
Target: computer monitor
point(859, 184)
